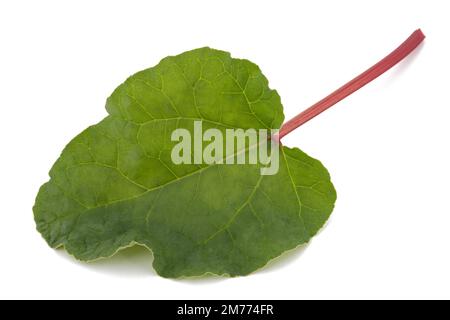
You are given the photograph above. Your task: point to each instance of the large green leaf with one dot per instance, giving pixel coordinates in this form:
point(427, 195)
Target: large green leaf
point(115, 185)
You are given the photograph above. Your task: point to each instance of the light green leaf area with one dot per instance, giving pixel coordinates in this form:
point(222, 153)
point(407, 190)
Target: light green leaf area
point(115, 185)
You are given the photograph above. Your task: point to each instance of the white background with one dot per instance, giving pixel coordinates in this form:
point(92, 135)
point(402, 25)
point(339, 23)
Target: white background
point(386, 146)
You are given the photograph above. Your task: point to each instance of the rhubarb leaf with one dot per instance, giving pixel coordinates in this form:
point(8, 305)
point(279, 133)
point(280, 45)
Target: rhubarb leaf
point(115, 185)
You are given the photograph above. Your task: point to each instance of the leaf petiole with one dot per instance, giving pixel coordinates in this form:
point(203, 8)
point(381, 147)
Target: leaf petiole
point(360, 81)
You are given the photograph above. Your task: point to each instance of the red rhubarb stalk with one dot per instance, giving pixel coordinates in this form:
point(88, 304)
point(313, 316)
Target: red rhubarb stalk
point(360, 81)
